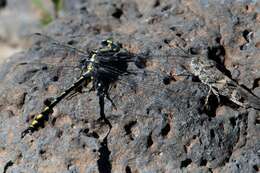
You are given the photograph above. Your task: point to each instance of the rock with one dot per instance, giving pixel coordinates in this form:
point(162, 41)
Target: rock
point(3, 3)
point(158, 126)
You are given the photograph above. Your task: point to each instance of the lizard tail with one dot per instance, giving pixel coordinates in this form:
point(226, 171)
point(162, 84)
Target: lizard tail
point(254, 102)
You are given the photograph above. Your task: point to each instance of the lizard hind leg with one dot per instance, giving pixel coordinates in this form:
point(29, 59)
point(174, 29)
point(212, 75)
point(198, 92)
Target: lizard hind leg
point(207, 97)
point(238, 102)
point(236, 97)
point(210, 105)
point(215, 92)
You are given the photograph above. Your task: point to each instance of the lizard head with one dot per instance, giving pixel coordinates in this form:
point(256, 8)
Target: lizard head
point(199, 63)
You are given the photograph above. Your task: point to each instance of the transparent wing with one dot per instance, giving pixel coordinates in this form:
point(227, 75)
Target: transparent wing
point(106, 59)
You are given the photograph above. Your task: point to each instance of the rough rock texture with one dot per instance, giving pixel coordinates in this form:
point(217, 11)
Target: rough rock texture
point(156, 127)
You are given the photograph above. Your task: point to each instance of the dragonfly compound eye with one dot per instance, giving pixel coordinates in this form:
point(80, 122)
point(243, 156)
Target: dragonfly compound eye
point(104, 43)
point(107, 42)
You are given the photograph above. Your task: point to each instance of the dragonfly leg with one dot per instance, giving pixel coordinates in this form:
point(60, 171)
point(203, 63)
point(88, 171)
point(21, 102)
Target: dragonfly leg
point(79, 89)
point(72, 95)
point(75, 92)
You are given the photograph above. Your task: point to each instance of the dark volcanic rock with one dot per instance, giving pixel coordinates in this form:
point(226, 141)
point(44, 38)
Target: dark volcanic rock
point(158, 126)
point(3, 3)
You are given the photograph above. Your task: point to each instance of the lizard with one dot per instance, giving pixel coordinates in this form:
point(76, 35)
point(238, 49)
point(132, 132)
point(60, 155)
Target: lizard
point(220, 84)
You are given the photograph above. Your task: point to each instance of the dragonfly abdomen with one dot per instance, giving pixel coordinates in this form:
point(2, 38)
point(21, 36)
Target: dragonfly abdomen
point(41, 118)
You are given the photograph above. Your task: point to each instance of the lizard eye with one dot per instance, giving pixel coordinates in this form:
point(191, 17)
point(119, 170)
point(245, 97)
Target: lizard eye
point(196, 67)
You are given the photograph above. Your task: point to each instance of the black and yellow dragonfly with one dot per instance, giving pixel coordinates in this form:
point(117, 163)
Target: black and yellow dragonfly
point(101, 67)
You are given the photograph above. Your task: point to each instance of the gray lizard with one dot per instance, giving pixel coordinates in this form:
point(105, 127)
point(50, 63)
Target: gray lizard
point(220, 84)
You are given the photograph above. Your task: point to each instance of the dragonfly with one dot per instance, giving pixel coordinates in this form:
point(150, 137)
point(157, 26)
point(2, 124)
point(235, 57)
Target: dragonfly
point(101, 67)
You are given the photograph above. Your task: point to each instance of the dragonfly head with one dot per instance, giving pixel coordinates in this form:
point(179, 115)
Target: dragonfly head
point(109, 43)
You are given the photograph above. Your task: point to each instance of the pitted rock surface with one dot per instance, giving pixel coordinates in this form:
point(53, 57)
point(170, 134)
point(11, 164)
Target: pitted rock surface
point(157, 126)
